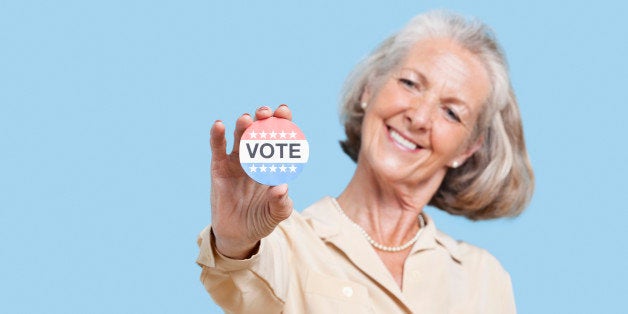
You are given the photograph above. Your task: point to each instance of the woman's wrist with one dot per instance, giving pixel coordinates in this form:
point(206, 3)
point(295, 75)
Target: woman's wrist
point(235, 249)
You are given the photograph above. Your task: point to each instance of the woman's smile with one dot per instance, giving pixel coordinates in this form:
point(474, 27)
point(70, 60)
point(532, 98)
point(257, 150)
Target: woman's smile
point(401, 141)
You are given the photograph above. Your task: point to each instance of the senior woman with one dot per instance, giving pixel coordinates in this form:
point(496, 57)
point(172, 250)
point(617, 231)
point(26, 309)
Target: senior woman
point(431, 119)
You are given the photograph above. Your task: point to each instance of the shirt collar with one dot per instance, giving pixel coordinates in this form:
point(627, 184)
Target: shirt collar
point(324, 218)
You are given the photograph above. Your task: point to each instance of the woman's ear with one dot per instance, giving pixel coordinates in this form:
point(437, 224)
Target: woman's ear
point(468, 152)
point(366, 95)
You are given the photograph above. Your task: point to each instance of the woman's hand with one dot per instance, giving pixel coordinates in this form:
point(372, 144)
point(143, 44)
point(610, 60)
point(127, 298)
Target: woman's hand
point(243, 211)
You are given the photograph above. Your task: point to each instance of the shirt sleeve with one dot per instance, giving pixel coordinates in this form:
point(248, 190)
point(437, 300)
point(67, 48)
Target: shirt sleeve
point(255, 285)
point(508, 297)
point(498, 295)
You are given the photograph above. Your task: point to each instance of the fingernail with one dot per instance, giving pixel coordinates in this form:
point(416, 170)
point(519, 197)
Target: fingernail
point(218, 121)
point(263, 108)
point(283, 105)
point(246, 114)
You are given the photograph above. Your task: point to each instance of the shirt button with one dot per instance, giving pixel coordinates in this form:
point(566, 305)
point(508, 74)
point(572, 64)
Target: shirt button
point(347, 291)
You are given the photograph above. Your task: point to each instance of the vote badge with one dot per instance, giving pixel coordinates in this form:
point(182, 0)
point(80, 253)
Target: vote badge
point(273, 151)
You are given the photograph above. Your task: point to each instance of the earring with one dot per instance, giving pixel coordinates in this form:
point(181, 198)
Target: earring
point(363, 105)
point(455, 165)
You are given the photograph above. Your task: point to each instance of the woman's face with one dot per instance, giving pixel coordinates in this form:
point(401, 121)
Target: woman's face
point(421, 119)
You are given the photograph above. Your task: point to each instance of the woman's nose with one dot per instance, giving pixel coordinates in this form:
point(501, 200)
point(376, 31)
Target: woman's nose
point(420, 113)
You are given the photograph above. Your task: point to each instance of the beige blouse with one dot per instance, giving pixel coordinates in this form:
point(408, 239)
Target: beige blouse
point(318, 262)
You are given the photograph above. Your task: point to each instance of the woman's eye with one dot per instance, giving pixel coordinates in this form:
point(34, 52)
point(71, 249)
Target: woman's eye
point(408, 83)
point(452, 114)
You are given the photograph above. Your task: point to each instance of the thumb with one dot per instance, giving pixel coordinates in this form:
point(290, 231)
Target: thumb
point(279, 202)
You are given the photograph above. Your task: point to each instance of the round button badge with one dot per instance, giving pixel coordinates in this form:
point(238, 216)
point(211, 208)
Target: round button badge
point(273, 151)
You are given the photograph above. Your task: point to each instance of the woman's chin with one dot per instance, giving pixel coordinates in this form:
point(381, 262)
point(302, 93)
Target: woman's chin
point(390, 170)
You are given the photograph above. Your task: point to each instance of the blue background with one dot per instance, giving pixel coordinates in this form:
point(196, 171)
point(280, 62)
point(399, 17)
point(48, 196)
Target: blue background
point(105, 110)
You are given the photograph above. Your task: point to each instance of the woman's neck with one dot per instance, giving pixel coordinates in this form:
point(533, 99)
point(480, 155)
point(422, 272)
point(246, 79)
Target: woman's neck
point(388, 212)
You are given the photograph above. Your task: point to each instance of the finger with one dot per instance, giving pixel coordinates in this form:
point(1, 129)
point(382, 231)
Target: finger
point(280, 203)
point(217, 141)
point(263, 112)
point(283, 112)
point(242, 123)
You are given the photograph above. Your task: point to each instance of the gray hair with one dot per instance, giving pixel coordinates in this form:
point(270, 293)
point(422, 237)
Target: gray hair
point(497, 180)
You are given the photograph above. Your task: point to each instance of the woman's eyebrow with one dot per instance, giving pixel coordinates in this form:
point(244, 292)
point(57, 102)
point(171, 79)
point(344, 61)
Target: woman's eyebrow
point(455, 100)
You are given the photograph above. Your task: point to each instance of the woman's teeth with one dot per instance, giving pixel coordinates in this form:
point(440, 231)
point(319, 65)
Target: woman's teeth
point(402, 141)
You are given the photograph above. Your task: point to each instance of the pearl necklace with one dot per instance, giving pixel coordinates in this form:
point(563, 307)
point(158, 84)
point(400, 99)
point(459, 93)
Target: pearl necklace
point(378, 245)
